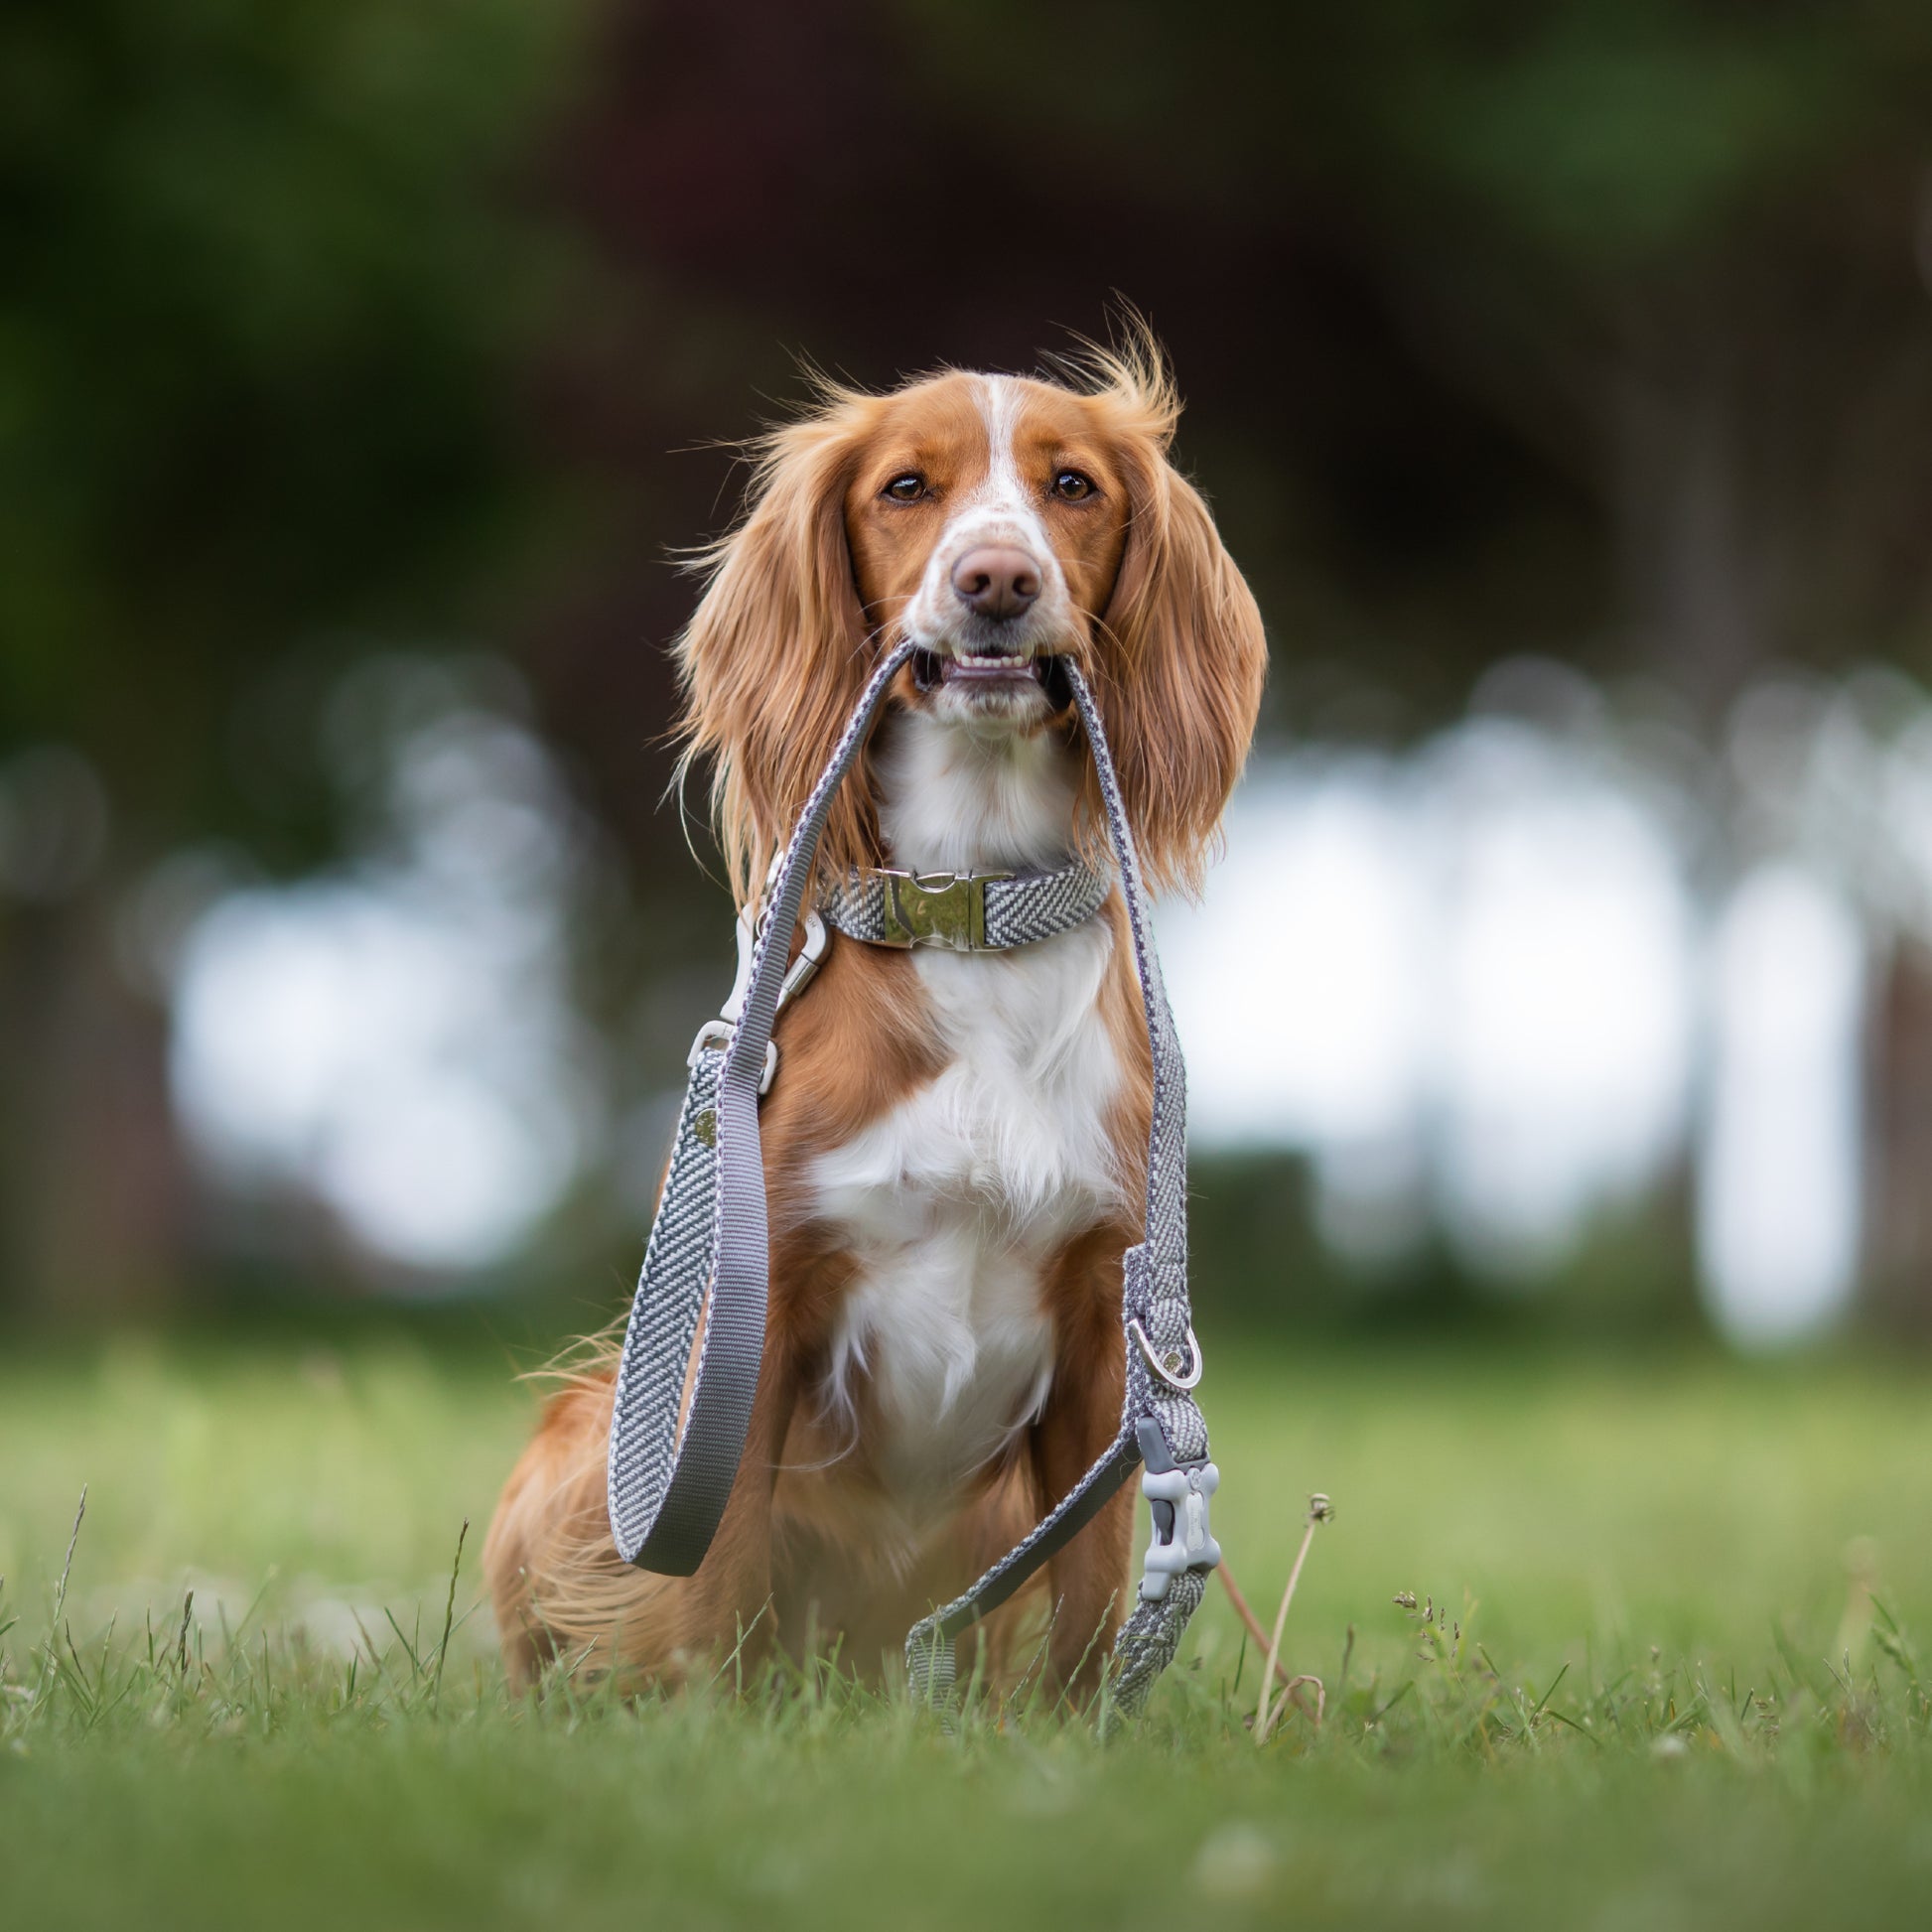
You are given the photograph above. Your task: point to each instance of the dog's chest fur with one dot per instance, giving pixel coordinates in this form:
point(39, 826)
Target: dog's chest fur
point(954, 1202)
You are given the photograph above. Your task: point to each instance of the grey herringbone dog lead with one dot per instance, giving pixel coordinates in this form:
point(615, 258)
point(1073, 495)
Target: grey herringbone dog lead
point(708, 1261)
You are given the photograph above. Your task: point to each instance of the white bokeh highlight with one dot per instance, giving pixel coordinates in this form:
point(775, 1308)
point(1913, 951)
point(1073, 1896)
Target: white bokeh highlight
point(1778, 1197)
point(1461, 982)
point(399, 1040)
point(1497, 986)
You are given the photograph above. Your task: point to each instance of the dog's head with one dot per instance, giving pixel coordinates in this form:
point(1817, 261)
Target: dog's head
point(1002, 524)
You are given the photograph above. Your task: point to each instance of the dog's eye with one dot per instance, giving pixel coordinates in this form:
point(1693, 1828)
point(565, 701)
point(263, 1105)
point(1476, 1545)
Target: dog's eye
point(907, 488)
point(1069, 485)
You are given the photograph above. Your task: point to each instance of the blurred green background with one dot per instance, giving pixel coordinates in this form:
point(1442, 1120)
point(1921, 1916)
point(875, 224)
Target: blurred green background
point(1562, 378)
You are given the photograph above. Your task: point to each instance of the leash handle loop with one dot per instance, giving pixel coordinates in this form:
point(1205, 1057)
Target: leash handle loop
point(697, 1319)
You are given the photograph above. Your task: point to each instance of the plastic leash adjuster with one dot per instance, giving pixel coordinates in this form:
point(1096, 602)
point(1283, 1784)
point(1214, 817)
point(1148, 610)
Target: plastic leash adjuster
point(1177, 1497)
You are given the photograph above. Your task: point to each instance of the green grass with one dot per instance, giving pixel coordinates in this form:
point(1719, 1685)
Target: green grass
point(1672, 1680)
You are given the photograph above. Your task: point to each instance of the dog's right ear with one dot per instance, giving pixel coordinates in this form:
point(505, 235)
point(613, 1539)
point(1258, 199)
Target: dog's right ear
point(773, 659)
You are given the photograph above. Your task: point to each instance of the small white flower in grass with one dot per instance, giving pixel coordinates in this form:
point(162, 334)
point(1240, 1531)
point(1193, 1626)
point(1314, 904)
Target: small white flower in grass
point(1236, 1862)
point(1670, 1745)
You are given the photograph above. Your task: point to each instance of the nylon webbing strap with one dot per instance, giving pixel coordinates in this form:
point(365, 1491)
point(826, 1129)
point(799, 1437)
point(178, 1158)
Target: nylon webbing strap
point(705, 1266)
point(1154, 1298)
point(699, 1311)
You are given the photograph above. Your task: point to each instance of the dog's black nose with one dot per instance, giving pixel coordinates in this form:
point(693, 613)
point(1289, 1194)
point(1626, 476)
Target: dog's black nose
point(995, 582)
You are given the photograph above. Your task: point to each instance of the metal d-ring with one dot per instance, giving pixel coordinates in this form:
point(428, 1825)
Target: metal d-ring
point(1166, 1364)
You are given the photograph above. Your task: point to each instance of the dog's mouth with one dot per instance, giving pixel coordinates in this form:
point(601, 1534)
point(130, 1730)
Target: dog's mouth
point(985, 671)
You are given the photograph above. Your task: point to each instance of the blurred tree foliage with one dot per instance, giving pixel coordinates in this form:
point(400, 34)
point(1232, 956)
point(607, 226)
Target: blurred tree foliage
point(264, 290)
point(1677, 252)
point(1596, 326)
point(1590, 325)
point(265, 295)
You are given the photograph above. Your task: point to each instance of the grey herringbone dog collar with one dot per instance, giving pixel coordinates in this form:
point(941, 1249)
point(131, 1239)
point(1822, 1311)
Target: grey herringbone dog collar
point(967, 911)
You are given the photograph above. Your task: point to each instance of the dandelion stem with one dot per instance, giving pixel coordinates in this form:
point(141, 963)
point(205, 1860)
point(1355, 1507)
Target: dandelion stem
point(1248, 1617)
point(1319, 1511)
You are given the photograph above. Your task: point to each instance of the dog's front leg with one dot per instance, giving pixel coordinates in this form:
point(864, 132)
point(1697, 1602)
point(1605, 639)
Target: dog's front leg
point(1089, 1579)
point(727, 1612)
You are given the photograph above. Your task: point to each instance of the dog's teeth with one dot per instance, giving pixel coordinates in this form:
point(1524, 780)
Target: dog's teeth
point(977, 663)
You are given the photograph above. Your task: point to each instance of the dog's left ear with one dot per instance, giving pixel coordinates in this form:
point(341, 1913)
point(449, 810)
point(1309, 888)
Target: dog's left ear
point(775, 655)
point(1183, 660)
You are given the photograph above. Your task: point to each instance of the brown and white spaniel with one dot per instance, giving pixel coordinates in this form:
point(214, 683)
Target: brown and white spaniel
point(955, 1144)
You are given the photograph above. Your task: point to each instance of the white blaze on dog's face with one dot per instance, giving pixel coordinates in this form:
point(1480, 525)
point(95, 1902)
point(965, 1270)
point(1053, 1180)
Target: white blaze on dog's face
point(988, 523)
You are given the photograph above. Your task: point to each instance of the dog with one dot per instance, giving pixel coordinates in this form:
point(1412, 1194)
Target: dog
point(955, 1144)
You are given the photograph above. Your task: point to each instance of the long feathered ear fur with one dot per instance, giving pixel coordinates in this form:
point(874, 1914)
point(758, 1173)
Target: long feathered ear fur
point(1182, 656)
point(775, 656)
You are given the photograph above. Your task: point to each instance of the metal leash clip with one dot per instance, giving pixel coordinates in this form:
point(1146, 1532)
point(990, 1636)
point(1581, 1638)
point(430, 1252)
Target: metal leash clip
point(716, 1034)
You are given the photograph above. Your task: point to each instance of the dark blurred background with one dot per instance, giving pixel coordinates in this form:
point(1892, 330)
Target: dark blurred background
point(1561, 375)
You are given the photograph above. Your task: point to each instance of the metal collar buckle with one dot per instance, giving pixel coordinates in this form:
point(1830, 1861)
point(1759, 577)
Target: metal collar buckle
point(936, 908)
